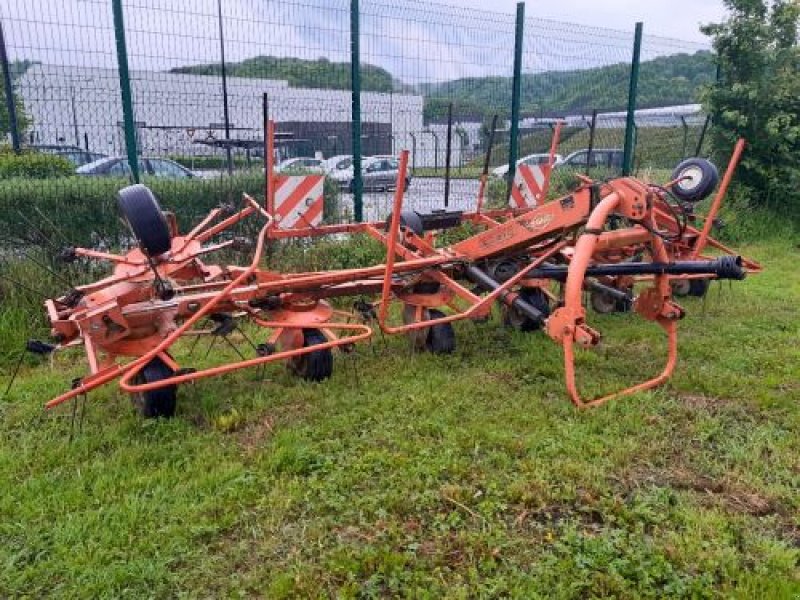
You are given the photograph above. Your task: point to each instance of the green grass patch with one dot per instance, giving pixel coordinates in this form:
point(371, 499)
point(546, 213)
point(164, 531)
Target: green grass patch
point(457, 476)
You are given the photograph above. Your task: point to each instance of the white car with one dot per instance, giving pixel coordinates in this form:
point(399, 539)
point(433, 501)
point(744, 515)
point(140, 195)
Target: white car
point(302, 165)
point(531, 159)
point(340, 162)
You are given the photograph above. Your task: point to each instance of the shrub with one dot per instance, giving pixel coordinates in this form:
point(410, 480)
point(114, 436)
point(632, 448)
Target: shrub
point(756, 97)
point(84, 209)
point(35, 165)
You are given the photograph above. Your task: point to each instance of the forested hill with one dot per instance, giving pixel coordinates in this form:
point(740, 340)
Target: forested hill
point(320, 73)
point(676, 79)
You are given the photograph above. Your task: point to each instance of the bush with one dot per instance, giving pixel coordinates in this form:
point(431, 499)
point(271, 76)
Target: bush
point(756, 97)
point(84, 209)
point(35, 165)
point(744, 219)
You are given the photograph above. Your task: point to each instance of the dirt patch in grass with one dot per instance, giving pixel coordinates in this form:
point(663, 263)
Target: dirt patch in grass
point(252, 435)
point(706, 403)
point(730, 497)
point(583, 510)
point(714, 405)
point(706, 490)
point(255, 433)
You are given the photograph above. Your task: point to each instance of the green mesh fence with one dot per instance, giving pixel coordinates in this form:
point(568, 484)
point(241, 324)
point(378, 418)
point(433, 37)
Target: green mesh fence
point(670, 122)
point(200, 139)
point(580, 76)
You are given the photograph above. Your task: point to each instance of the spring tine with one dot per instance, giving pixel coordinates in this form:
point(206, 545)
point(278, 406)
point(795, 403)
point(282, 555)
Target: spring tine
point(353, 360)
point(53, 225)
point(43, 236)
point(245, 336)
point(52, 272)
point(84, 398)
point(194, 344)
point(72, 420)
point(37, 294)
point(232, 345)
point(210, 346)
point(14, 375)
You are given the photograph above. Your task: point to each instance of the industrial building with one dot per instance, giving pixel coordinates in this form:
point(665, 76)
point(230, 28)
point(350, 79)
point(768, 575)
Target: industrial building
point(174, 112)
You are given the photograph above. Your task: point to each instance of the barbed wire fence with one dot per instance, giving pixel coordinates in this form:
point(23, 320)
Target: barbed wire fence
point(430, 79)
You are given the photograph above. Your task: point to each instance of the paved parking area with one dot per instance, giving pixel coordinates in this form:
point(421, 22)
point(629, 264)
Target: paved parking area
point(424, 195)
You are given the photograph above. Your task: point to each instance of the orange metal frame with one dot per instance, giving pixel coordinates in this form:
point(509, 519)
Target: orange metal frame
point(120, 316)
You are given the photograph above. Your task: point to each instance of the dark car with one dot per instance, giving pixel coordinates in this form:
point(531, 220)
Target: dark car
point(77, 156)
point(117, 166)
point(608, 158)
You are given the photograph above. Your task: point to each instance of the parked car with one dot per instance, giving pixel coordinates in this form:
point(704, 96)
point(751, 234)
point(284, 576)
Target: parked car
point(340, 162)
point(378, 173)
point(77, 156)
point(118, 166)
point(303, 164)
point(608, 158)
point(531, 159)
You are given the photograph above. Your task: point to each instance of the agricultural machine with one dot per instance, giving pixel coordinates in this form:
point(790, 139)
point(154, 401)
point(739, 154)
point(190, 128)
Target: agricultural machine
point(627, 242)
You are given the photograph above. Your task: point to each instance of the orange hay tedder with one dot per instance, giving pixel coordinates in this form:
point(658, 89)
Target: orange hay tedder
point(627, 242)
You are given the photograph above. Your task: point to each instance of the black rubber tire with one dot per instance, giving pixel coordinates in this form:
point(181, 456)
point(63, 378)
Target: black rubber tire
point(681, 287)
point(603, 305)
point(148, 223)
point(156, 403)
point(539, 300)
point(316, 365)
point(441, 338)
point(703, 181)
point(699, 287)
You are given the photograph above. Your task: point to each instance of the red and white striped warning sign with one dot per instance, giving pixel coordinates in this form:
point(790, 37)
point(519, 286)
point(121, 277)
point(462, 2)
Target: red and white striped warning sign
point(529, 185)
point(298, 200)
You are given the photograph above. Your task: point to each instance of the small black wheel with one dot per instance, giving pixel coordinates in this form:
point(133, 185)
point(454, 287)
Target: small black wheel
point(681, 287)
point(441, 338)
point(316, 365)
point(513, 318)
point(605, 304)
point(699, 287)
point(148, 223)
point(698, 178)
point(155, 403)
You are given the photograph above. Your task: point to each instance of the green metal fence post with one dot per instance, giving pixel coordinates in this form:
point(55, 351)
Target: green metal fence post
point(685, 126)
point(707, 122)
point(125, 90)
point(225, 112)
point(355, 82)
point(630, 122)
point(11, 105)
point(516, 92)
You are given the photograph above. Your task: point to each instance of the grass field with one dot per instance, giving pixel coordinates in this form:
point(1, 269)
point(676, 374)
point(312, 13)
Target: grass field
point(462, 476)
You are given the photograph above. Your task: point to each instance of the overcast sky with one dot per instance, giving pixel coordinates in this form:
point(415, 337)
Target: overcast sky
point(671, 18)
point(416, 40)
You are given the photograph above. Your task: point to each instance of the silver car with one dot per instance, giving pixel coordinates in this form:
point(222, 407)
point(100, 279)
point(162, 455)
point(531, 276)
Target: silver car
point(117, 166)
point(379, 173)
